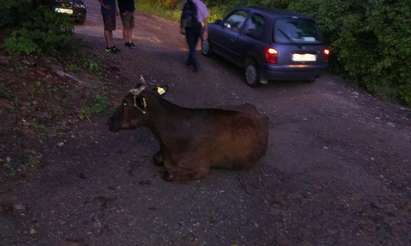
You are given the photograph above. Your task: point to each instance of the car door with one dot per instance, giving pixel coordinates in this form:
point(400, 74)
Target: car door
point(227, 35)
point(251, 42)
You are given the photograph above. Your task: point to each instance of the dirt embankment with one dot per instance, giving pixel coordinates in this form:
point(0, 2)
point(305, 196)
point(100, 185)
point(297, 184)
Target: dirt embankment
point(41, 100)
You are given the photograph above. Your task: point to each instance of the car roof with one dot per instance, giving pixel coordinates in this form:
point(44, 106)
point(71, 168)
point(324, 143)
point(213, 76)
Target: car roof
point(274, 13)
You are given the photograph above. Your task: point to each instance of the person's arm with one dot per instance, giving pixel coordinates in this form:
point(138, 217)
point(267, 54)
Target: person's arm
point(205, 22)
point(205, 27)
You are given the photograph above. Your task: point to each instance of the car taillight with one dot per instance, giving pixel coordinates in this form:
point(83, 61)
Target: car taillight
point(271, 55)
point(326, 54)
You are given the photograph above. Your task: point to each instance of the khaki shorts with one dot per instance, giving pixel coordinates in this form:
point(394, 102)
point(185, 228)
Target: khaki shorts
point(128, 19)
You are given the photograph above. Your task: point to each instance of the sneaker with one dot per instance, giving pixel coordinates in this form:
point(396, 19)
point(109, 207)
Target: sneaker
point(130, 45)
point(112, 50)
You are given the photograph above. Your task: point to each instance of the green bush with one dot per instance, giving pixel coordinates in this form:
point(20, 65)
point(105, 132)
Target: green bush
point(20, 42)
point(371, 41)
point(40, 31)
point(13, 12)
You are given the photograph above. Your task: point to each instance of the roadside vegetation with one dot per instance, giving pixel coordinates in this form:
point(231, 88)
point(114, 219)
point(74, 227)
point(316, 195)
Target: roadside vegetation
point(32, 28)
point(370, 40)
point(49, 82)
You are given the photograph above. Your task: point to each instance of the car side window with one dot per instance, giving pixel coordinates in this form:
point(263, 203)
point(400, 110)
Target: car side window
point(235, 20)
point(254, 26)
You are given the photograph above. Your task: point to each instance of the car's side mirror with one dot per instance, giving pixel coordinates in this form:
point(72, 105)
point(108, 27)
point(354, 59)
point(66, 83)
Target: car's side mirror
point(219, 22)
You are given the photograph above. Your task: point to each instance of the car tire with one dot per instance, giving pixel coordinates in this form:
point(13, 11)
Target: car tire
point(206, 49)
point(252, 74)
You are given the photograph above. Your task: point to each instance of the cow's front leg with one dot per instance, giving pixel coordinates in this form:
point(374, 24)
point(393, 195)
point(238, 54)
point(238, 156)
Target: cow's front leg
point(158, 159)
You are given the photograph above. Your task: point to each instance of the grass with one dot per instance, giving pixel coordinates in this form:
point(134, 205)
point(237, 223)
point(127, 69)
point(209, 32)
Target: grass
point(157, 9)
point(21, 164)
point(149, 7)
point(5, 92)
point(39, 128)
point(81, 62)
point(98, 105)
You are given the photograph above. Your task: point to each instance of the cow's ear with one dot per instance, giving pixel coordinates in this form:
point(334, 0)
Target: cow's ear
point(160, 90)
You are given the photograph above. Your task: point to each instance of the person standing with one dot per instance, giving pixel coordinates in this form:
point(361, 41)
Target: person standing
point(108, 11)
point(193, 24)
point(127, 8)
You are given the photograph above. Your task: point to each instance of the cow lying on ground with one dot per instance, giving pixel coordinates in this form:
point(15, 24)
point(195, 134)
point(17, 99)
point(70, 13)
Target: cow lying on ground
point(194, 140)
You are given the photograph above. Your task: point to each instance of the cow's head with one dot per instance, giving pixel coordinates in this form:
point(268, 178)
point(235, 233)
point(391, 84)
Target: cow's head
point(134, 109)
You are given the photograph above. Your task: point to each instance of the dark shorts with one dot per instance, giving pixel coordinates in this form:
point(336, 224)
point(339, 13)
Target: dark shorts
point(127, 18)
point(109, 17)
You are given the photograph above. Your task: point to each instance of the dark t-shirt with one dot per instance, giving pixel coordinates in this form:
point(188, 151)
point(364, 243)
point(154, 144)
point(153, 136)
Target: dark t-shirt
point(126, 5)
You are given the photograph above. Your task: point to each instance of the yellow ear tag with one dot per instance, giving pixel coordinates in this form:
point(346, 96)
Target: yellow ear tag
point(161, 90)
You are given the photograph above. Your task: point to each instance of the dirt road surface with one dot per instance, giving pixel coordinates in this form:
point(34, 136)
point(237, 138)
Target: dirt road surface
point(337, 172)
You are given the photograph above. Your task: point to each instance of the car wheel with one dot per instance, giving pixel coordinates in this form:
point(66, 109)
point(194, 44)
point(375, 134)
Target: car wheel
point(252, 74)
point(206, 48)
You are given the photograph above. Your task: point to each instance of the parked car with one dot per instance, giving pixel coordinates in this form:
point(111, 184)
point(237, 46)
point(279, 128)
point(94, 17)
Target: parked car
point(75, 8)
point(269, 44)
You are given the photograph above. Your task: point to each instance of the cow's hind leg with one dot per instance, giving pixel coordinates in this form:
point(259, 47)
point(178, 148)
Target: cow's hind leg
point(183, 174)
point(158, 159)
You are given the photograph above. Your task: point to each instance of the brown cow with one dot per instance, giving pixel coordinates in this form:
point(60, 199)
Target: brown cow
point(194, 140)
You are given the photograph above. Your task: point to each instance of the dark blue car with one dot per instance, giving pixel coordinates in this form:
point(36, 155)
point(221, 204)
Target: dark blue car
point(269, 44)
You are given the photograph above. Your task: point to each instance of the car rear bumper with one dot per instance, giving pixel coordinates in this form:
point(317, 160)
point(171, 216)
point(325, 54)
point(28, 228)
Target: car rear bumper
point(292, 72)
point(78, 14)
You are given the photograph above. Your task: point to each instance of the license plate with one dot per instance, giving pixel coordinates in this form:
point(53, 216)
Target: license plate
point(304, 58)
point(64, 11)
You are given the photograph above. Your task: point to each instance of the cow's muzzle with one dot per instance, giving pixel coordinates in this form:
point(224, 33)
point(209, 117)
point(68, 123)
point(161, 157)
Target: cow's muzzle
point(113, 123)
point(112, 126)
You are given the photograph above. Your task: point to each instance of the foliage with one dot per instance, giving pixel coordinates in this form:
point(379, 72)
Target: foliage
point(20, 42)
point(371, 41)
point(13, 12)
point(5, 92)
point(34, 30)
point(156, 8)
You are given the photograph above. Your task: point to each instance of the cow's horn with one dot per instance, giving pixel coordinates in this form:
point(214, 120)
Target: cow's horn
point(142, 79)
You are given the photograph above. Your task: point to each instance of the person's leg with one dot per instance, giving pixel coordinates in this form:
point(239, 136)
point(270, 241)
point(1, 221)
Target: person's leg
point(129, 39)
point(109, 19)
point(130, 35)
point(194, 41)
point(190, 43)
point(124, 22)
point(125, 34)
point(108, 36)
point(128, 19)
point(131, 27)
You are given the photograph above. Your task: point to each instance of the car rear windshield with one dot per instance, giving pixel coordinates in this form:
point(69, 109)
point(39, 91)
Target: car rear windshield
point(296, 30)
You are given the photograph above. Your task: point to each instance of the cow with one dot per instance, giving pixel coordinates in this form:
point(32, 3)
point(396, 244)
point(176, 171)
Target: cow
point(194, 140)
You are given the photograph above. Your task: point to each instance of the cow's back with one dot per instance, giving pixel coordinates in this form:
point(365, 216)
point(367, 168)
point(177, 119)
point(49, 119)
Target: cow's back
point(232, 138)
point(241, 138)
